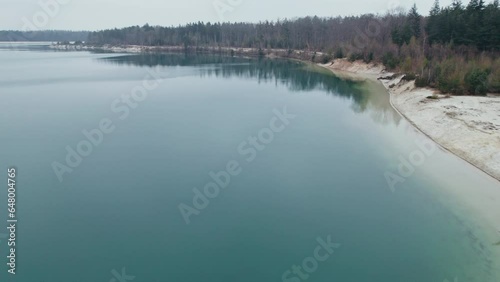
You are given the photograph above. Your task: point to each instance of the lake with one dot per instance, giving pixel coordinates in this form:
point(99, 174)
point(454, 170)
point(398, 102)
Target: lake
point(174, 167)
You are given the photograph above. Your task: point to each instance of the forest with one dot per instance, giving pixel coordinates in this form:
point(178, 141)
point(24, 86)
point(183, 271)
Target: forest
point(43, 35)
point(454, 48)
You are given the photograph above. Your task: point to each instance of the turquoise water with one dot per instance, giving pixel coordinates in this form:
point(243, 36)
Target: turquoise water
point(322, 174)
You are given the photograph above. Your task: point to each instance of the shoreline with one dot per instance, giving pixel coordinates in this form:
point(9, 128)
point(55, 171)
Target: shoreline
point(457, 124)
point(471, 118)
point(459, 115)
point(436, 118)
point(432, 118)
point(233, 51)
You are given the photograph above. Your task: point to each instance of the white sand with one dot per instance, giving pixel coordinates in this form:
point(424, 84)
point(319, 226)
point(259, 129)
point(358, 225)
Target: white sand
point(468, 126)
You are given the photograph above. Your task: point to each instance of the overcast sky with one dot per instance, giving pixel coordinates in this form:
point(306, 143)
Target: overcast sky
point(101, 14)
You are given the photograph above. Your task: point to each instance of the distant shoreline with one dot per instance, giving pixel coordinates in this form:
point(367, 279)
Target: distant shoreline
point(236, 51)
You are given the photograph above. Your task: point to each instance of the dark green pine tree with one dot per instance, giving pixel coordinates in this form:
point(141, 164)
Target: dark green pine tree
point(402, 35)
point(491, 27)
point(475, 17)
point(415, 20)
point(432, 26)
point(458, 23)
point(435, 8)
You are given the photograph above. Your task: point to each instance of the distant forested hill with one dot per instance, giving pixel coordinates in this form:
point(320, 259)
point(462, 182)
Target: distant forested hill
point(455, 48)
point(43, 35)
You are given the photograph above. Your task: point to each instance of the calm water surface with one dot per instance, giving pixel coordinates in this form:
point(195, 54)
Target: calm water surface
point(323, 175)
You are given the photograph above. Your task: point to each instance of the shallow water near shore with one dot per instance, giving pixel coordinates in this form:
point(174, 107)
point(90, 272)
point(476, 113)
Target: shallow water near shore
point(323, 175)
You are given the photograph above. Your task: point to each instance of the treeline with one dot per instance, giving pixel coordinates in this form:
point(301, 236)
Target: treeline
point(454, 49)
point(309, 33)
point(43, 35)
point(476, 24)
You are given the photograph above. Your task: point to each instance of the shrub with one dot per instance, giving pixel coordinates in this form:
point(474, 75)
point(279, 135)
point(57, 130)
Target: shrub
point(355, 56)
point(339, 54)
point(409, 77)
point(325, 59)
point(369, 57)
point(494, 83)
point(449, 85)
point(390, 61)
point(407, 64)
point(476, 81)
point(450, 76)
point(421, 82)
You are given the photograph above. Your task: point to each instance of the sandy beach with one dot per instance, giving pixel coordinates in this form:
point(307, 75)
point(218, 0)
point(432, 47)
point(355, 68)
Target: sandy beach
point(467, 126)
